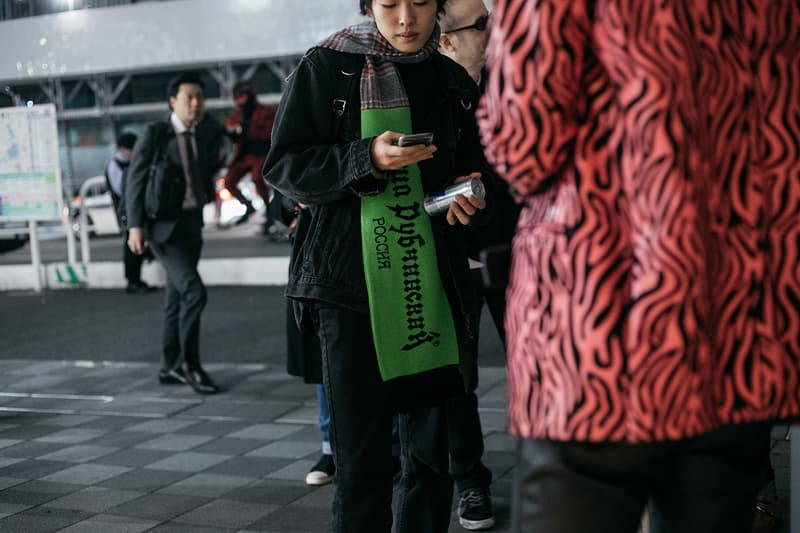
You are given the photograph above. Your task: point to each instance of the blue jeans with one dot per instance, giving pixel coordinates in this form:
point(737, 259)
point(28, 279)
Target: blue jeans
point(324, 420)
point(361, 435)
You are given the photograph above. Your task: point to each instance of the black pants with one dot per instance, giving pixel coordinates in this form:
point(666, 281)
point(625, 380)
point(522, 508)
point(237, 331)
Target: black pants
point(463, 422)
point(133, 262)
point(361, 437)
point(185, 294)
point(703, 485)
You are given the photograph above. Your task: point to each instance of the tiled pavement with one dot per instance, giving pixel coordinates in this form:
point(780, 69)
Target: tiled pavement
point(92, 447)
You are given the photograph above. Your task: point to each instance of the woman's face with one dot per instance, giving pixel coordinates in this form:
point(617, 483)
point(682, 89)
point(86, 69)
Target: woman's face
point(406, 24)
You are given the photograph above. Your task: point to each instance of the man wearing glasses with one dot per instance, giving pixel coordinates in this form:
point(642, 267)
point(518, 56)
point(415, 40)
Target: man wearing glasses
point(463, 39)
point(464, 35)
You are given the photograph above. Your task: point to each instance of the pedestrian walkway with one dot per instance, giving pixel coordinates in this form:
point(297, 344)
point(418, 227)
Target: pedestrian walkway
point(101, 447)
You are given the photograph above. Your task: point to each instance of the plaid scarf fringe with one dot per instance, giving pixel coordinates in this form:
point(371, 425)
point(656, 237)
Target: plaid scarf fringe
point(381, 83)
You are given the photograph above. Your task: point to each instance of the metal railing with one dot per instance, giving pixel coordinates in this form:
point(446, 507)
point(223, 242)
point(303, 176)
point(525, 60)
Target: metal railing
point(84, 218)
point(14, 9)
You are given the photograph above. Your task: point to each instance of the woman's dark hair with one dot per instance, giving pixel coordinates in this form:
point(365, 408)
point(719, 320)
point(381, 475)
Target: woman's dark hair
point(365, 5)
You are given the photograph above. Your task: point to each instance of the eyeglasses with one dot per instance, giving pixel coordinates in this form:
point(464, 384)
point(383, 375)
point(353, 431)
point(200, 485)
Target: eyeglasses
point(479, 24)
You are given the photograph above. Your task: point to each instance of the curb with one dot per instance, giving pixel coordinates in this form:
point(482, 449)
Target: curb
point(110, 274)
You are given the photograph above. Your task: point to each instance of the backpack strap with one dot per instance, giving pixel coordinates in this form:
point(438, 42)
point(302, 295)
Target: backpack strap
point(349, 73)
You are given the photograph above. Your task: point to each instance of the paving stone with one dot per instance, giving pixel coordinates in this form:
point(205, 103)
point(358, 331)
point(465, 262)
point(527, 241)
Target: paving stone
point(493, 420)
point(30, 449)
point(78, 454)
point(135, 457)
point(174, 442)
point(159, 506)
point(189, 461)
point(294, 518)
point(144, 480)
point(250, 466)
point(308, 414)
point(226, 513)
point(30, 469)
point(271, 491)
point(72, 436)
point(110, 524)
point(94, 499)
point(67, 420)
point(207, 485)
point(499, 442)
point(8, 509)
point(229, 446)
point(175, 527)
point(217, 428)
point(320, 499)
point(286, 449)
point(41, 520)
point(86, 474)
point(7, 482)
point(39, 486)
point(26, 432)
point(293, 471)
point(166, 425)
point(112, 423)
point(265, 432)
point(8, 461)
point(5, 443)
point(121, 439)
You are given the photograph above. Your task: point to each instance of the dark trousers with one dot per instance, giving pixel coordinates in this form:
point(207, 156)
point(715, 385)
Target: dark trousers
point(361, 437)
point(465, 443)
point(132, 261)
point(707, 484)
point(239, 168)
point(463, 422)
point(185, 294)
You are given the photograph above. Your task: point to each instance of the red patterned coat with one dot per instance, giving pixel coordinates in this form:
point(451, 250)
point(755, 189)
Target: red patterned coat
point(655, 289)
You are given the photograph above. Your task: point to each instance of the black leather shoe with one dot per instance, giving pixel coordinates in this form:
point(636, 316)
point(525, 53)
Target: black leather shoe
point(200, 382)
point(172, 376)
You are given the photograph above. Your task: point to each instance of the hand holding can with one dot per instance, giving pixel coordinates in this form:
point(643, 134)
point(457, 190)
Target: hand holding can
point(438, 203)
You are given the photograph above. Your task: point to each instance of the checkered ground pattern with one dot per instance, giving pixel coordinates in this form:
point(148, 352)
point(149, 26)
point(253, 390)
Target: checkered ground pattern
point(92, 447)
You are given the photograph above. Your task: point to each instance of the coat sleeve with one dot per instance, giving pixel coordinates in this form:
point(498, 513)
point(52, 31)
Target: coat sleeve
point(531, 109)
point(136, 179)
point(306, 162)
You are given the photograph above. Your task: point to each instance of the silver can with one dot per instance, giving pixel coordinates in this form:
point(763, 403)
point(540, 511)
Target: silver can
point(437, 203)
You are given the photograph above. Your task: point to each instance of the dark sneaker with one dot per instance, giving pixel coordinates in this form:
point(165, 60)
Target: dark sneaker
point(138, 287)
point(321, 473)
point(475, 510)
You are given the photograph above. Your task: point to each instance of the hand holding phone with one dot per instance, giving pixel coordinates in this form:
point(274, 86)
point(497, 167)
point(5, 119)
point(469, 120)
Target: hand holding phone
point(387, 155)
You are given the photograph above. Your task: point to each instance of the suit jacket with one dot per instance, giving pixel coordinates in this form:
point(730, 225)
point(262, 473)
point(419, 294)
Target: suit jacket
point(654, 284)
point(209, 137)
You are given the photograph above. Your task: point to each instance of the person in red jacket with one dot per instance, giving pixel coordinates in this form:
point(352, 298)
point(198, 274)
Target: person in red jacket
point(250, 127)
point(653, 322)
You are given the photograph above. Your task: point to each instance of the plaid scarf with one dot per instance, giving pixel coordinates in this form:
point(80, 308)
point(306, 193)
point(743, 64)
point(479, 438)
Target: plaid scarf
point(381, 85)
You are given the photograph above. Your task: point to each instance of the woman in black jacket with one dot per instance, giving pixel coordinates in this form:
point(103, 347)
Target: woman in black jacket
point(385, 285)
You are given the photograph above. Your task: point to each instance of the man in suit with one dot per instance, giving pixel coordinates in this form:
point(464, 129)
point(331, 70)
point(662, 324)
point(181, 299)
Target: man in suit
point(193, 147)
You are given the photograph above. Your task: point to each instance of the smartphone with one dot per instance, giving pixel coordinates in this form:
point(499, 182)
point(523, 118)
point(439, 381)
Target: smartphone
point(415, 138)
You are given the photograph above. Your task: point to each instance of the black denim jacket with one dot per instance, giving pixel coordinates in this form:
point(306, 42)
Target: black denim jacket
point(319, 159)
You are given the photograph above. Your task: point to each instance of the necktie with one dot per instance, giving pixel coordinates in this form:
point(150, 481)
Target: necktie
point(191, 157)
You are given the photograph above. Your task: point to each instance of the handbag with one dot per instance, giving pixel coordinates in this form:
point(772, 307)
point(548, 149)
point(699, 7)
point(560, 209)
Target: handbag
point(166, 185)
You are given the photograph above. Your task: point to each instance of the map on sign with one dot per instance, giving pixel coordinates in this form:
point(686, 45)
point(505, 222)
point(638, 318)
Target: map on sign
point(30, 176)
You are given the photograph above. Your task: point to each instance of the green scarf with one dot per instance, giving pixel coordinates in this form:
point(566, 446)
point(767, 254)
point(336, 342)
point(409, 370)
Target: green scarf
point(412, 323)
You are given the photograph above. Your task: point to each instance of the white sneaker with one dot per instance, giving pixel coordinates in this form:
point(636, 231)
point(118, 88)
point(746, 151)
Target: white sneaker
point(323, 472)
